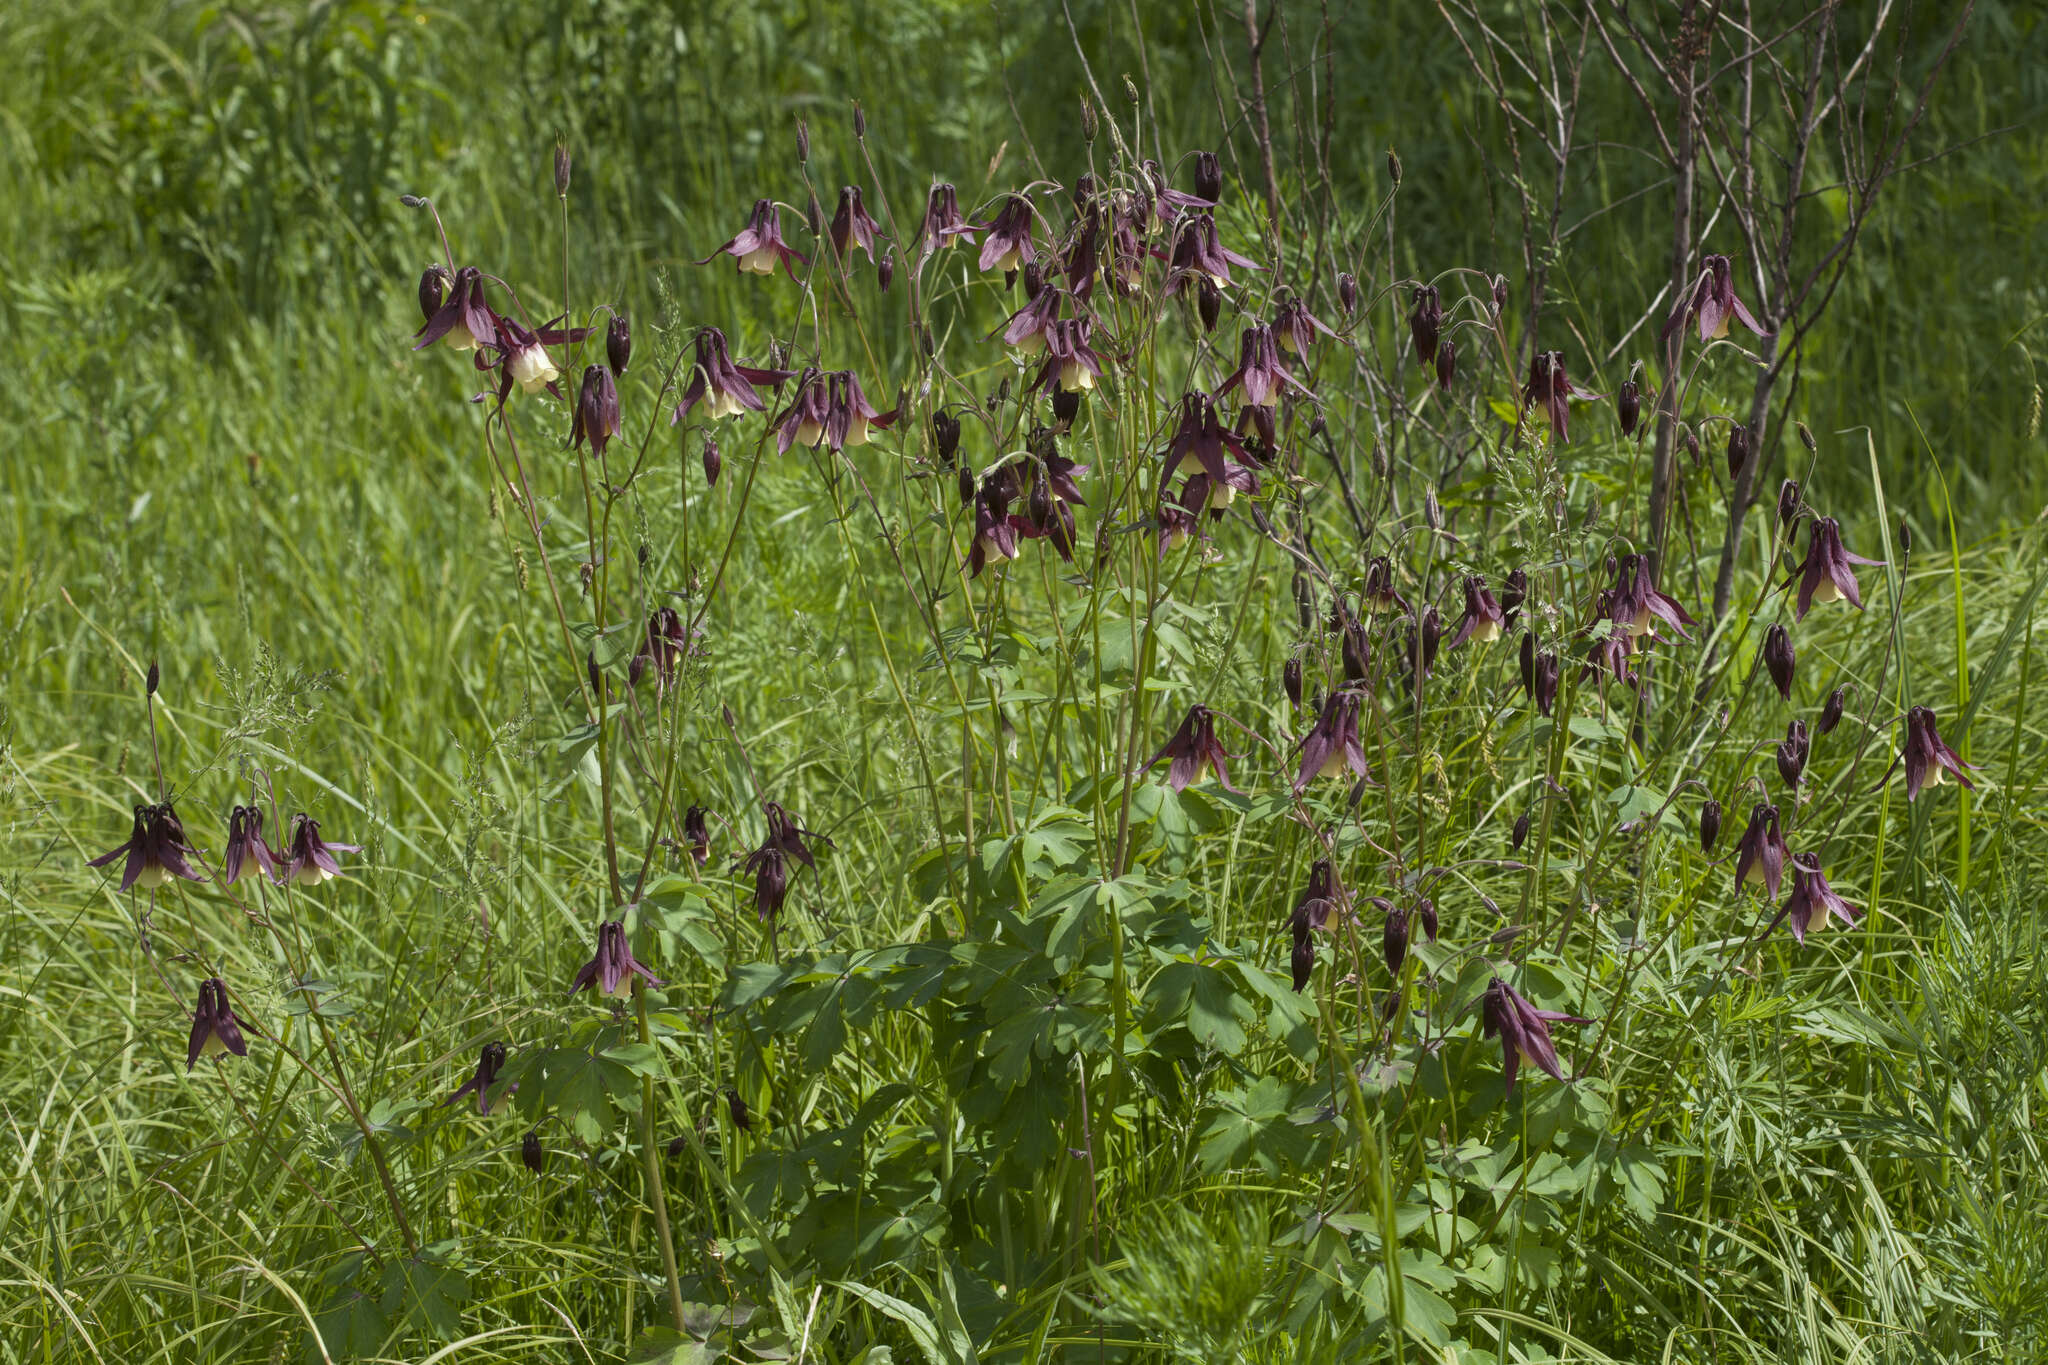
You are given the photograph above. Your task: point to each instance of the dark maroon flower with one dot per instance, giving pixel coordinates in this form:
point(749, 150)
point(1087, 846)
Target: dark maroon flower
point(1523, 1030)
point(1070, 361)
point(1825, 575)
point(1198, 252)
point(433, 290)
point(1322, 899)
point(1788, 502)
point(697, 829)
point(849, 417)
point(1425, 322)
point(945, 437)
point(1519, 835)
point(1761, 854)
point(1628, 406)
point(463, 321)
point(1792, 752)
point(1047, 517)
point(771, 881)
point(1549, 387)
point(1066, 406)
point(1710, 825)
point(1208, 304)
point(1303, 958)
point(1290, 679)
point(1356, 651)
point(1423, 638)
point(1027, 326)
point(1636, 603)
point(1060, 473)
point(247, 850)
point(1208, 177)
point(156, 850)
point(1347, 292)
point(1929, 762)
point(531, 1154)
point(664, 646)
point(1177, 525)
point(612, 968)
point(786, 832)
point(523, 359)
point(1780, 659)
point(1009, 242)
point(995, 534)
point(1738, 449)
point(1812, 901)
point(618, 343)
point(713, 461)
point(1378, 593)
point(1259, 369)
point(1483, 619)
point(1446, 364)
point(942, 221)
point(1713, 302)
point(1514, 590)
point(597, 411)
point(1295, 328)
point(1608, 657)
point(215, 1028)
point(737, 1108)
point(488, 1064)
point(1545, 675)
point(886, 271)
point(1394, 937)
point(309, 859)
point(1194, 749)
point(758, 247)
point(1331, 745)
point(725, 389)
point(851, 225)
point(1831, 711)
point(1202, 434)
point(1170, 203)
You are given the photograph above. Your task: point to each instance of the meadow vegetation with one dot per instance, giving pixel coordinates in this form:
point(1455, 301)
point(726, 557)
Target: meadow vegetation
point(1168, 768)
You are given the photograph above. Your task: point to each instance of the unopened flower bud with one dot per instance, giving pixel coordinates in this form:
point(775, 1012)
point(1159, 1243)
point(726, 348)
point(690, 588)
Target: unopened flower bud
point(860, 120)
point(151, 679)
point(1446, 364)
point(531, 1154)
point(1034, 279)
point(945, 437)
point(1087, 120)
point(1520, 834)
point(966, 486)
point(618, 343)
point(561, 170)
point(1393, 167)
point(803, 142)
point(433, 290)
point(1831, 712)
point(1347, 293)
point(1788, 501)
point(1131, 91)
point(1432, 510)
point(1792, 753)
point(886, 271)
point(1780, 659)
point(1290, 678)
point(1710, 826)
point(712, 462)
point(596, 677)
point(1806, 439)
point(1628, 405)
point(1500, 293)
point(1208, 176)
point(1738, 449)
point(1692, 448)
point(1209, 303)
point(1905, 536)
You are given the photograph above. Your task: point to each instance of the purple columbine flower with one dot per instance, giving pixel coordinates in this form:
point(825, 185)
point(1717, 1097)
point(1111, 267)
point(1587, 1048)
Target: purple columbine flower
point(697, 829)
point(215, 1028)
point(851, 225)
point(532, 1155)
point(524, 359)
point(1637, 604)
point(1761, 854)
point(1194, 749)
point(771, 881)
point(1170, 203)
point(803, 422)
point(1208, 177)
point(1331, 745)
point(1295, 328)
point(1259, 369)
point(1177, 525)
point(1027, 326)
point(1710, 825)
point(1378, 593)
point(1009, 242)
point(1422, 639)
point(1046, 517)
point(1523, 1030)
point(1070, 361)
point(663, 646)
point(758, 247)
point(597, 411)
point(1713, 302)
point(1514, 590)
point(434, 283)
point(247, 851)
point(1608, 656)
point(849, 417)
point(1812, 901)
point(1425, 323)
point(618, 342)
point(1825, 575)
point(942, 221)
point(1216, 448)
point(612, 967)
point(488, 1064)
point(995, 534)
point(1831, 711)
point(1780, 659)
point(1197, 251)
point(1483, 619)
point(1550, 387)
point(1628, 406)
point(787, 833)
point(309, 859)
point(1792, 752)
point(725, 389)
point(156, 850)
point(1929, 762)
point(462, 321)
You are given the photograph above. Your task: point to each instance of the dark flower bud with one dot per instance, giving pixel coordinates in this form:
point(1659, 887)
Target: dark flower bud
point(1347, 293)
point(1432, 510)
point(1710, 826)
point(860, 120)
point(1304, 959)
point(1520, 834)
point(412, 201)
point(1831, 712)
point(1612, 563)
point(1548, 676)
point(945, 437)
point(1394, 940)
point(532, 1155)
point(596, 677)
point(1066, 406)
point(151, 679)
point(561, 170)
point(1088, 132)
point(1514, 590)
point(1446, 364)
point(697, 829)
point(636, 670)
point(737, 1107)
point(1628, 405)
point(1208, 176)
point(433, 290)
point(1792, 753)
point(886, 271)
point(1357, 652)
point(1425, 322)
point(1500, 293)
point(596, 418)
point(1290, 679)
point(1806, 439)
point(1905, 537)
point(1425, 915)
point(1738, 449)
point(618, 343)
point(1692, 448)
point(1393, 167)
point(712, 462)
point(1780, 658)
point(966, 485)
point(1034, 279)
point(1208, 303)
point(1788, 501)
point(1761, 854)
point(803, 142)
point(1528, 661)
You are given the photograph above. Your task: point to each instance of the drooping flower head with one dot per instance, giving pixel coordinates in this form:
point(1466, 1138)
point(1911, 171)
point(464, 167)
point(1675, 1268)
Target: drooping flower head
point(597, 410)
point(1761, 854)
point(849, 416)
point(1812, 901)
point(1792, 753)
point(663, 645)
point(1831, 711)
point(1929, 761)
point(771, 881)
point(488, 1064)
point(802, 423)
point(434, 283)
point(1295, 328)
point(1259, 369)
point(1193, 750)
point(1009, 242)
point(1425, 323)
point(697, 829)
point(462, 320)
point(995, 534)
point(1423, 637)
point(524, 359)
point(943, 224)
point(1483, 619)
point(786, 832)
point(1027, 326)
point(1825, 575)
point(247, 851)
point(612, 967)
point(1331, 745)
point(1637, 604)
point(1070, 360)
point(1216, 448)
point(1198, 252)
point(1523, 1030)
point(215, 1028)
point(851, 225)
point(1712, 302)
point(1781, 661)
point(1550, 388)
point(725, 389)
point(1710, 825)
point(758, 247)
point(156, 850)
point(309, 859)
point(1379, 593)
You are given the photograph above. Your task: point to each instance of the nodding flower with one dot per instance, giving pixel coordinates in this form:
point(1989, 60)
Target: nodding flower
point(1523, 1030)
point(849, 416)
point(942, 221)
point(758, 247)
point(713, 461)
point(1355, 651)
point(1929, 762)
point(1710, 825)
point(1608, 656)
point(1446, 364)
point(524, 359)
point(215, 1028)
point(1290, 679)
point(1831, 711)
point(309, 859)
point(771, 881)
point(1792, 752)
point(945, 437)
point(663, 646)
point(1323, 899)
point(1295, 328)
point(1378, 593)
point(1197, 252)
point(1788, 502)
point(612, 967)
point(1514, 590)
point(1259, 369)
point(995, 532)
point(1483, 619)
point(1423, 638)
point(1780, 659)
point(247, 851)
point(1542, 677)
point(1347, 292)
point(1216, 448)
point(462, 320)
point(1060, 473)
point(1177, 525)
point(697, 829)
point(1208, 305)
point(786, 832)
point(1760, 855)
point(1302, 960)
point(1027, 326)
point(1208, 177)
point(1712, 302)
point(1168, 202)
point(725, 389)
point(1825, 575)
point(1425, 322)
point(1628, 406)
point(1812, 901)
point(532, 1155)
point(488, 1064)
point(1394, 933)
point(1070, 361)
point(1637, 604)
point(803, 421)
point(851, 225)
point(1193, 750)
point(1549, 386)
point(1519, 835)
point(1009, 242)
point(433, 290)
point(618, 343)
point(156, 850)
point(1331, 745)
point(1046, 517)
point(597, 411)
